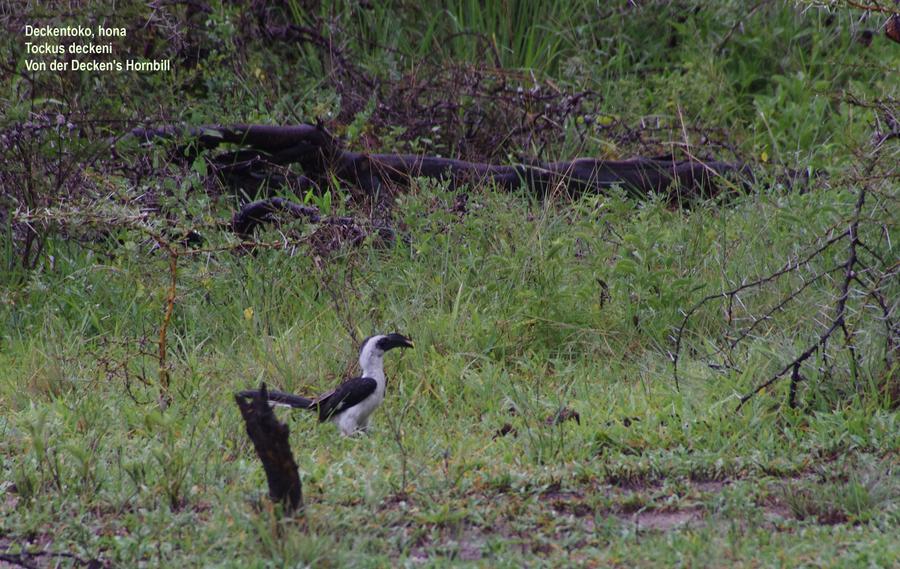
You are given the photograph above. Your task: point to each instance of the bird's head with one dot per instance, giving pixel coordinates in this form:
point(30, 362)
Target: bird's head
point(371, 353)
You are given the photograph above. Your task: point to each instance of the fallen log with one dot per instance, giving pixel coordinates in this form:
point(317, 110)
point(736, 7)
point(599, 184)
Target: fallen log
point(321, 156)
point(270, 439)
point(643, 176)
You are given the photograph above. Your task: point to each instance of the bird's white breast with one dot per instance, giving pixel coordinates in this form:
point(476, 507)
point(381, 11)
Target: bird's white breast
point(357, 417)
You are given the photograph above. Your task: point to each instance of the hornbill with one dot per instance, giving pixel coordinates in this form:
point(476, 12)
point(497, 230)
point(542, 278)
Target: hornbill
point(350, 404)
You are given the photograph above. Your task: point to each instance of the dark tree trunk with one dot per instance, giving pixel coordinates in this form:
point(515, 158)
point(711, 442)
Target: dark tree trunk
point(270, 438)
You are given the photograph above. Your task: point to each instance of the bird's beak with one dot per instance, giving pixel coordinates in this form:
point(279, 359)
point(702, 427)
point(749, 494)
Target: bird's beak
point(399, 341)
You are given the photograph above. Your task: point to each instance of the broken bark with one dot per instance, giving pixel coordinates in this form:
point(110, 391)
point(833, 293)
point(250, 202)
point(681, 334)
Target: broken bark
point(321, 156)
point(270, 439)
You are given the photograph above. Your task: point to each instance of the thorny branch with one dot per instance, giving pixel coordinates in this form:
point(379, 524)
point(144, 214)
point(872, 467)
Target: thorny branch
point(853, 269)
point(730, 295)
point(837, 321)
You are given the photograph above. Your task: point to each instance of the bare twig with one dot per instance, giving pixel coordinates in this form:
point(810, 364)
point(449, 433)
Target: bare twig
point(164, 395)
point(738, 24)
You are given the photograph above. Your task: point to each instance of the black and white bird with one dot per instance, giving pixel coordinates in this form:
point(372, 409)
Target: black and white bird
point(349, 405)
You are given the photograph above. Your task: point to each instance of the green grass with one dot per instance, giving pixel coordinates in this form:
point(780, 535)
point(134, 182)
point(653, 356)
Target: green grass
point(505, 304)
point(505, 312)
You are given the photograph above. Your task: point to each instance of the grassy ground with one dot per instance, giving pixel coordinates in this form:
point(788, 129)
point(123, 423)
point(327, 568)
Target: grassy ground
point(519, 306)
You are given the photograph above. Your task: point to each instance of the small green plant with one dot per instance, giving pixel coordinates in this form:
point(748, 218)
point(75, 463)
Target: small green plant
point(323, 201)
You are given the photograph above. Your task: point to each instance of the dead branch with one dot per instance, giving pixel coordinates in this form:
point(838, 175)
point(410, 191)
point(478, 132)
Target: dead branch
point(271, 441)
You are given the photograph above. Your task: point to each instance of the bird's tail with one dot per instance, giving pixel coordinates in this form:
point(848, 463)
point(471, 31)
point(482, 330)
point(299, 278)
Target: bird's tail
point(281, 398)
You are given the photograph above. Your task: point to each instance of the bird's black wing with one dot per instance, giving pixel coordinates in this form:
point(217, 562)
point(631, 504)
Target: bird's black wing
point(346, 395)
